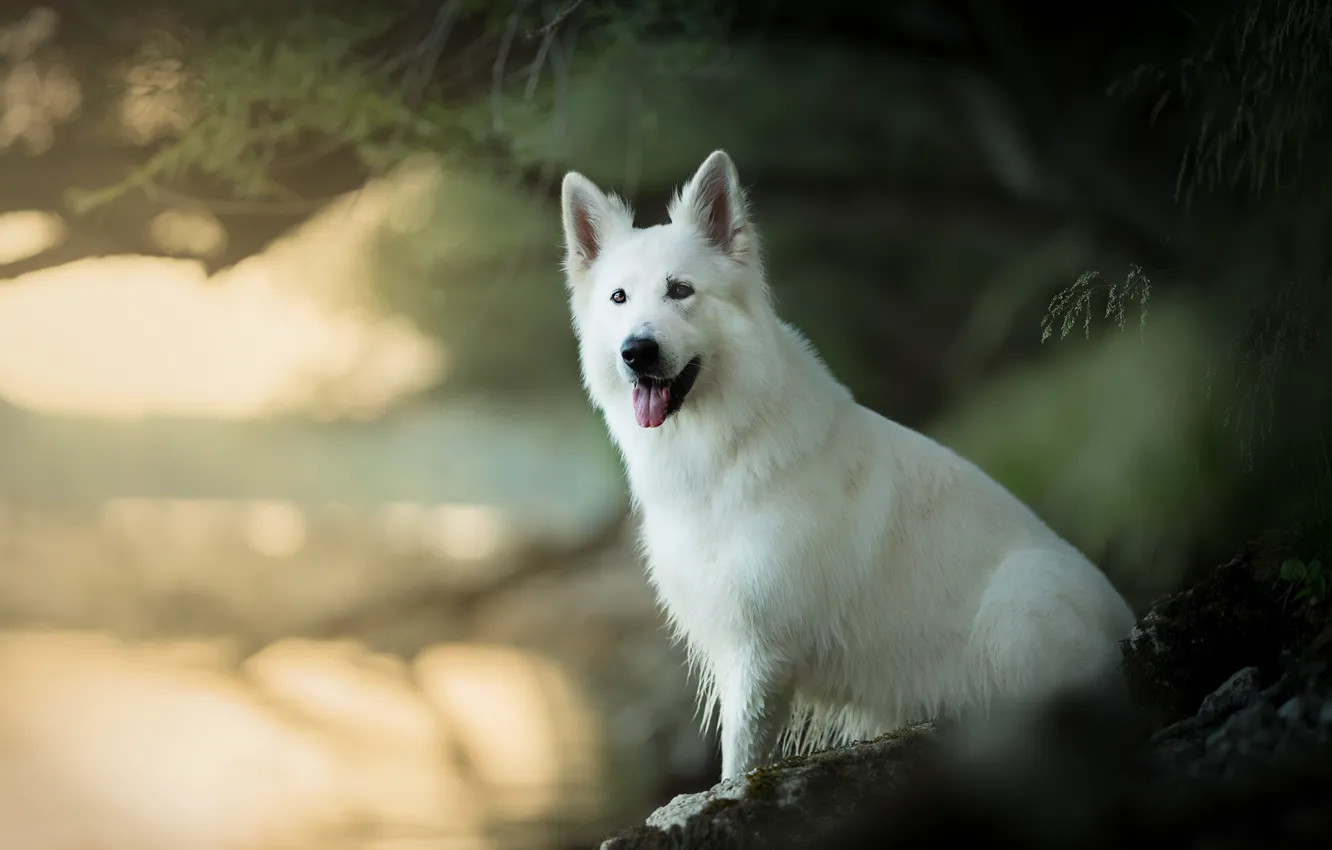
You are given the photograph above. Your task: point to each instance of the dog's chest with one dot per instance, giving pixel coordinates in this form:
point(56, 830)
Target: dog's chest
point(720, 571)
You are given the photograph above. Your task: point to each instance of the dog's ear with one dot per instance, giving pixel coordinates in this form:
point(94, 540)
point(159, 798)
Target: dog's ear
point(713, 202)
point(591, 217)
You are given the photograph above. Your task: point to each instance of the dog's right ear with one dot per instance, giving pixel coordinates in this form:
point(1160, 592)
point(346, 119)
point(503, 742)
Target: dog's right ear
point(591, 219)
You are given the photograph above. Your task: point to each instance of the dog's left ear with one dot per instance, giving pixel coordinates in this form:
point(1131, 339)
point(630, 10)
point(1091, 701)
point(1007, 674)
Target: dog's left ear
point(713, 202)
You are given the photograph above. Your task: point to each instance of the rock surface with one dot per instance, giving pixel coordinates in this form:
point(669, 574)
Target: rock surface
point(1192, 641)
point(802, 798)
point(1224, 740)
point(1241, 730)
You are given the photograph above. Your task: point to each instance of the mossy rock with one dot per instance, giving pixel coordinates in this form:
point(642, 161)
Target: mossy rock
point(1192, 641)
point(799, 801)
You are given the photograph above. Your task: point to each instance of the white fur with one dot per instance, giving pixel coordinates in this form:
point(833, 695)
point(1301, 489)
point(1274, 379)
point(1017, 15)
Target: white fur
point(834, 574)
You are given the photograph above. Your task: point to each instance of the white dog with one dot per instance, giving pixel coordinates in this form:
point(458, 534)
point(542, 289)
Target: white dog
point(834, 574)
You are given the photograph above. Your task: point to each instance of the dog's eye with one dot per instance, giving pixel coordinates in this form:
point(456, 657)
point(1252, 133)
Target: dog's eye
point(678, 290)
point(619, 297)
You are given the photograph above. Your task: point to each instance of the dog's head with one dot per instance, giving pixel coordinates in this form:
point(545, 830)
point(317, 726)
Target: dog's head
point(654, 308)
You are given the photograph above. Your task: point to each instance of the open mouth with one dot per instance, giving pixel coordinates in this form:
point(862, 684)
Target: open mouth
point(657, 398)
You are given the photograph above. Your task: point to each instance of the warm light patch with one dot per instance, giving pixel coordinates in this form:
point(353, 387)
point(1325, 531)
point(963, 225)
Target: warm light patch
point(132, 744)
point(341, 683)
point(462, 532)
point(449, 531)
point(192, 523)
point(401, 524)
point(133, 336)
point(289, 330)
point(26, 234)
point(274, 529)
point(33, 100)
point(525, 730)
point(162, 746)
point(192, 233)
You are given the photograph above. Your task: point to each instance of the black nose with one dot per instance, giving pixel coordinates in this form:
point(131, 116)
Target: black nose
point(640, 353)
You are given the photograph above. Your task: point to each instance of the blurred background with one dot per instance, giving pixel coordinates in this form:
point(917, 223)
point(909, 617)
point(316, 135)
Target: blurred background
point(308, 536)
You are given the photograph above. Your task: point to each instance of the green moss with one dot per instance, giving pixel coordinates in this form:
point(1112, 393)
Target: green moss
point(761, 783)
point(903, 734)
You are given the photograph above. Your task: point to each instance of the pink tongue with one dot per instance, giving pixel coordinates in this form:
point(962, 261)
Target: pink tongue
point(650, 403)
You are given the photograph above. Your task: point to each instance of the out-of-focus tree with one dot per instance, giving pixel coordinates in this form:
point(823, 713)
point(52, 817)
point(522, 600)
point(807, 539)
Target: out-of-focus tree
point(1191, 133)
point(1241, 103)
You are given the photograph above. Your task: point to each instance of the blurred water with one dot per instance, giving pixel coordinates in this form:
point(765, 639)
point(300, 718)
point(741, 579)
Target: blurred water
point(352, 671)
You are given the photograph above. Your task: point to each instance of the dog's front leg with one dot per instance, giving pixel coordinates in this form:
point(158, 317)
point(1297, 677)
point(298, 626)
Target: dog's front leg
point(755, 705)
